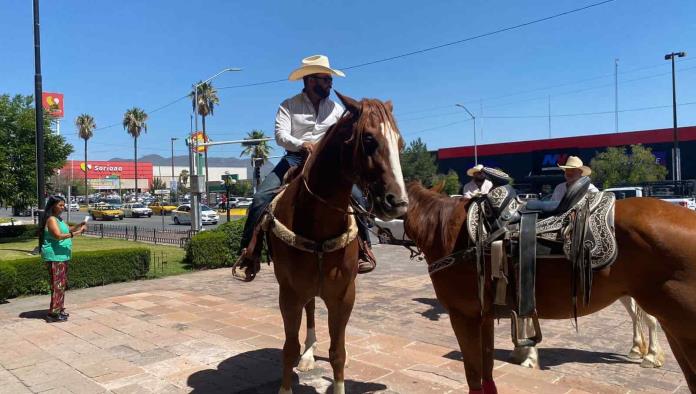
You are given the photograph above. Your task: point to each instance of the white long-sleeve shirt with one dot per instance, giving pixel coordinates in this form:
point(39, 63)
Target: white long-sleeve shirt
point(297, 122)
point(561, 188)
point(471, 188)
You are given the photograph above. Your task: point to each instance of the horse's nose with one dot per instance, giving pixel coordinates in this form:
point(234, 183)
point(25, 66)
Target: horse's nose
point(393, 202)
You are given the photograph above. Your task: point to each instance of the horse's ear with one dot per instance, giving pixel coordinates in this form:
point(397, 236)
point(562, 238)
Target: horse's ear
point(351, 105)
point(439, 187)
point(389, 106)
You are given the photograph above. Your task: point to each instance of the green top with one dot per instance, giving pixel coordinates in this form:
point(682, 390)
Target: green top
point(54, 249)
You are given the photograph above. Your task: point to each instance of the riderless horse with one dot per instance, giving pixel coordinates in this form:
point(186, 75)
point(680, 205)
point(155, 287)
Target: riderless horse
point(312, 231)
point(655, 263)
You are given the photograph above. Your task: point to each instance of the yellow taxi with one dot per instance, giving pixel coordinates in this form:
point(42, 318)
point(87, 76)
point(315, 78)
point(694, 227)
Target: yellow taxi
point(105, 211)
point(159, 207)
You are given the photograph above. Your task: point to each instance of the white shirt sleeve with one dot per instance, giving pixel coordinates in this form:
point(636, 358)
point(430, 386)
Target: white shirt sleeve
point(283, 130)
point(593, 188)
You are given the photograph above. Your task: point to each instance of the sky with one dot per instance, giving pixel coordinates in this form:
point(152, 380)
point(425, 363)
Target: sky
point(107, 57)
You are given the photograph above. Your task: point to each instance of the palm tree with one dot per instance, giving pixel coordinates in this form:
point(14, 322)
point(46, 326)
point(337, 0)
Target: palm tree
point(207, 100)
point(134, 123)
point(85, 129)
point(258, 151)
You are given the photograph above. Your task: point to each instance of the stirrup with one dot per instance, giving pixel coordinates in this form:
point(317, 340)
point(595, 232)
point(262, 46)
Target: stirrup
point(366, 258)
point(525, 342)
point(251, 268)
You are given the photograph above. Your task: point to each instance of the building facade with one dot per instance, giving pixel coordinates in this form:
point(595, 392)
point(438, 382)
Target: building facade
point(534, 164)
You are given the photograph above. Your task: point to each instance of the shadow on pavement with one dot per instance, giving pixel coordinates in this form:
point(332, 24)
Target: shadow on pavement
point(552, 357)
point(37, 314)
point(258, 372)
point(436, 309)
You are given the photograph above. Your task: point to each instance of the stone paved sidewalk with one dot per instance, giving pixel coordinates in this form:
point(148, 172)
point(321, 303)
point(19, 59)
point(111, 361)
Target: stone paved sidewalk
point(205, 333)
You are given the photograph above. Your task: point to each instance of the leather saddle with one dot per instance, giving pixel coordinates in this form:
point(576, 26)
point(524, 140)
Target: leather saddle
point(515, 233)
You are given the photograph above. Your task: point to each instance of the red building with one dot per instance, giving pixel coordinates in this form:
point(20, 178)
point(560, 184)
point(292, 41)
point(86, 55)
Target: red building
point(533, 164)
point(110, 175)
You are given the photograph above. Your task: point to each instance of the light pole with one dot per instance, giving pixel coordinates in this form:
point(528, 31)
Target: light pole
point(195, 214)
point(676, 156)
point(475, 145)
point(172, 180)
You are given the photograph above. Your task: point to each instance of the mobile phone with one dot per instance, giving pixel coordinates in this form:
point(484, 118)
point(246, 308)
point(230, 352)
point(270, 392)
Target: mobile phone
point(86, 219)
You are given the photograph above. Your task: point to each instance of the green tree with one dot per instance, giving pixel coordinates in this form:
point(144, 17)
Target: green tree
point(18, 151)
point(452, 184)
point(134, 123)
point(418, 164)
point(617, 166)
point(207, 100)
point(242, 188)
point(257, 151)
point(85, 129)
point(157, 184)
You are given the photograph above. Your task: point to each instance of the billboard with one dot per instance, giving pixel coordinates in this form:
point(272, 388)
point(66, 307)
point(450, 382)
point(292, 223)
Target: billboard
point(53, 104)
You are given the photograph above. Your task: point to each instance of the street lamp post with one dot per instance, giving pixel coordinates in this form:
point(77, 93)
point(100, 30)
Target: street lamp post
point(172, 180)
point(475, 145)
point(676, 155)
point(195, 203)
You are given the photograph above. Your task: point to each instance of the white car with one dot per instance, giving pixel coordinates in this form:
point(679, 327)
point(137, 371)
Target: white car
point(74, 207)
point(390, 232)
point(243, 202)
point(136, 210)
point(182, 215)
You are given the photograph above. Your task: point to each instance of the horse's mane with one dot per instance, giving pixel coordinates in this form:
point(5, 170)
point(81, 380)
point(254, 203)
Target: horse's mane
point(433, 217)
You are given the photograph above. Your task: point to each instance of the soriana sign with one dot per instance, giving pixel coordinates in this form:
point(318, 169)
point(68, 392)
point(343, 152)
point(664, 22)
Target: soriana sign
point(53, 103)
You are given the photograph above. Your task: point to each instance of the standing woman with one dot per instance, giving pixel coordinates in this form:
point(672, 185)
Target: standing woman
point(56, 251)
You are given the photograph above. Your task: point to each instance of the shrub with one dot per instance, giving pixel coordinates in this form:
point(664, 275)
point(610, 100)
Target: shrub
point(233, 231)
point(84, 270)
point(18, 232)
point(8, 277)
point(209, 249)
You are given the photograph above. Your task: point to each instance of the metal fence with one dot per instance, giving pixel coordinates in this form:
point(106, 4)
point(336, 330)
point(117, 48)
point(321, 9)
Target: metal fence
point(135, 233)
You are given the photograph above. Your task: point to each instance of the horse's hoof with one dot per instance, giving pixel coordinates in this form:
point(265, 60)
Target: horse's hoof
point(525, 356)
point(651, 361)
point(529, 364)
point(634, 353)
point(306, 364)
point(284, 391)
point(339, 387)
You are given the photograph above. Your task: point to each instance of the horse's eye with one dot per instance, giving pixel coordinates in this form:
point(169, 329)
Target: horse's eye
point(370, 144)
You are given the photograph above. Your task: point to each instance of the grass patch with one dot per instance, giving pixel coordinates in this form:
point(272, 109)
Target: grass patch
point(165, 260)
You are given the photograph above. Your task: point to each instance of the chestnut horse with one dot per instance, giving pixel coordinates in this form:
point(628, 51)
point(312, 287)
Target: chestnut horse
point(656, 265)
point(361, 148)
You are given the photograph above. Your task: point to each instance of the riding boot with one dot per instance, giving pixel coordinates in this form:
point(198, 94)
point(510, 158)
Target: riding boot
point(366, 259)
point(246, 267)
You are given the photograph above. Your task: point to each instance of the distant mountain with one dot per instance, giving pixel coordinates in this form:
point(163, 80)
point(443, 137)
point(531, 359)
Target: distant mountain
point(158, 160)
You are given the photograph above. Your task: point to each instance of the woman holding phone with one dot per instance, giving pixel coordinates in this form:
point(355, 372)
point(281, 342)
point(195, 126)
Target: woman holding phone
point(56, 251)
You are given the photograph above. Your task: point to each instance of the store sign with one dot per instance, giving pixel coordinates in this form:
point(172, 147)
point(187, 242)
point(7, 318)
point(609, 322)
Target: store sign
point(53, 103)
point(100, 168)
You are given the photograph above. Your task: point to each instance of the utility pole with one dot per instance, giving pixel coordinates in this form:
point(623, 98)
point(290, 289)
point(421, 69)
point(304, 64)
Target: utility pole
point(172, 180)
point(616, 95)
point(676, 155)
point(475, 144)
point(38, 88)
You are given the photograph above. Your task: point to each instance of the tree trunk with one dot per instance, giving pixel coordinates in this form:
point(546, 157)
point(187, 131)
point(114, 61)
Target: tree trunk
point(86, 169)
point(135, 145)
point(205, 160)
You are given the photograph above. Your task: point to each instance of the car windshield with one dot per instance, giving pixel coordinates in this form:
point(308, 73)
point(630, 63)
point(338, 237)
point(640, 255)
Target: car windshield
point(138, 206)
point(621, 194)
point(205, 208)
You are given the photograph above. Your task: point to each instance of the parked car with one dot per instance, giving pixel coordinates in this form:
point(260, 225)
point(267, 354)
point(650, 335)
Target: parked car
point(182, 215)
point(232, 203)
point(74, 207)
point(244, 202)
point(136, 210)
point(675, 192)
point(104, 211)
point(159, 207)
point(391, 232)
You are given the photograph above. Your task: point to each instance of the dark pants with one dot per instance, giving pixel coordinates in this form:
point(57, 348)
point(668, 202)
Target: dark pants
point(269, 189)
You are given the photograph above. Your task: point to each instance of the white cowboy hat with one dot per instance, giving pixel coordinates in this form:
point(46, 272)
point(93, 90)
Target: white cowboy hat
point(315, 64)
point(575, 162)
point(473, 170)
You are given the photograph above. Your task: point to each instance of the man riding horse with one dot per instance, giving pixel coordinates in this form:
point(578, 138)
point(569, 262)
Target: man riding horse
point(300, 123)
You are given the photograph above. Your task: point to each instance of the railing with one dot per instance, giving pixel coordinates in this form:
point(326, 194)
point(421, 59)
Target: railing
point(135, 233)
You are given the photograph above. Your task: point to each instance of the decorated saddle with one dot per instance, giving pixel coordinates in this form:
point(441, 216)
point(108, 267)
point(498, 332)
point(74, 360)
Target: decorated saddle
point(516, 233)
